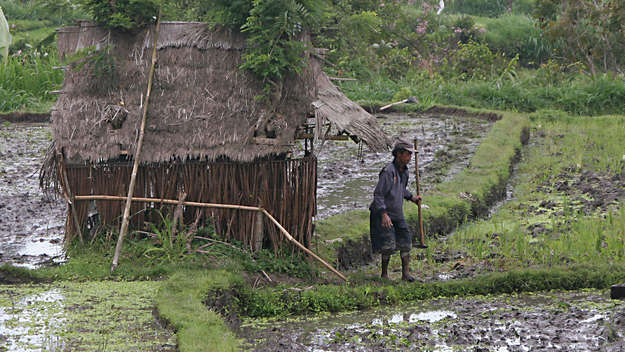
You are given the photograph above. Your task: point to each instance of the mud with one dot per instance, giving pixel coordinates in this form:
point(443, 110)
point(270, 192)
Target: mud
point(556, 321)
point(576, 191)
point(31, 224)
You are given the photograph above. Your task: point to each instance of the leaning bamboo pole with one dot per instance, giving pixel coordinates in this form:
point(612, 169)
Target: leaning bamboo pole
point(135, 166)
point(221, 206)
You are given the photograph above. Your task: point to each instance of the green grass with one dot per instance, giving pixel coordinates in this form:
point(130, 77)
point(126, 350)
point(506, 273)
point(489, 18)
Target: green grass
point(526, 91)
point(180, 303)
point(271, 302)
point(27, 79)
point(572, 145)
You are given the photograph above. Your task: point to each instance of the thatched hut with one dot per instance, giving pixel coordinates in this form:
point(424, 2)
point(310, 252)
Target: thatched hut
point(208, 135)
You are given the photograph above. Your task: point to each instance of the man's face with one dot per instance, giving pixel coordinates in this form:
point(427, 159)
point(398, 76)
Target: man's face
point(403, 157)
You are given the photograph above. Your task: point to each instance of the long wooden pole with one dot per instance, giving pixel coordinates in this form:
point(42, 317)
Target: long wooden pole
point(135, 166)
point(416, 174)
point(222, 206)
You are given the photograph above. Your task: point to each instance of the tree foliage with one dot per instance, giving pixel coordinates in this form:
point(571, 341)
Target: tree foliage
point(275, 29)
point(124, 15)
point(590, 31)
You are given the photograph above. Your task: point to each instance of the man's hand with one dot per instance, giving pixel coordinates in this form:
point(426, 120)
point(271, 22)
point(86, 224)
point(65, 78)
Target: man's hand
point(416, 199)
point(386, 221)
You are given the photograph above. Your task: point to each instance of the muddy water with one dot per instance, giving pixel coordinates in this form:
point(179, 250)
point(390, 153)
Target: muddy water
point(557, 321)
point(348, 173)
point(31, 225)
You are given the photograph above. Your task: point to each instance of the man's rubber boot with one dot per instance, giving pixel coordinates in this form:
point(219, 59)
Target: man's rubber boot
point(385, 260)
point(405, 269)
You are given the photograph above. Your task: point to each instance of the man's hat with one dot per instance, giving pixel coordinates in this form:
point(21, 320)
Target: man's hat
point(403, 144)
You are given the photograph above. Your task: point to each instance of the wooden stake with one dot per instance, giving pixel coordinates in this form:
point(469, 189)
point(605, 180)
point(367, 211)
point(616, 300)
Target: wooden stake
point(137, 156)
point(416, 174)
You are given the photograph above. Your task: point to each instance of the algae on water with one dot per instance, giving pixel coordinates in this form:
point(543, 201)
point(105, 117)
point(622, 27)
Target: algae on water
point(92, 316)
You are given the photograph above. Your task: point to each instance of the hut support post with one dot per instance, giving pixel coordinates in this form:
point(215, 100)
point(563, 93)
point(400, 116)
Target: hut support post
point(258, 232)
point(137, 156)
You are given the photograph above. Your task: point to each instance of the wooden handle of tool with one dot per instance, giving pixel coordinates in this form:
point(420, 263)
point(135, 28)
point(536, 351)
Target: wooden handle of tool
point(416, 173)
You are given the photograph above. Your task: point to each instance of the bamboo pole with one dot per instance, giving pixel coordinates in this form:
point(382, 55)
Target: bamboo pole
point(222, 206)
point(135, 166)
point(416, 173)
point(308, 251)
point(70, 198)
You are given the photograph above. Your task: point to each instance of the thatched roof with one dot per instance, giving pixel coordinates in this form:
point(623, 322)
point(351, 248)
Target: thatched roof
point(202, 105)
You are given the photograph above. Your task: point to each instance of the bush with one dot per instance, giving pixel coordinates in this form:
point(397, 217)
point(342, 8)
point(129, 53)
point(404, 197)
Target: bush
point(517, 34)
point(475, 61)
point(124, 15)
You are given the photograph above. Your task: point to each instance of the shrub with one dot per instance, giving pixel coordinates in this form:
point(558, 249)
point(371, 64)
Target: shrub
point(476, 61)
point(124, 15)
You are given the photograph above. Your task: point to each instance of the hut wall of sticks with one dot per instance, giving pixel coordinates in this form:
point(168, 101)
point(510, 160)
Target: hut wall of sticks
point(208, 137)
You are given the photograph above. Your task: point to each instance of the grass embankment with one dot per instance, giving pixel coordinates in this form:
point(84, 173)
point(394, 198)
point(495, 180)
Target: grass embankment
point(180, 302)
point(280, 301)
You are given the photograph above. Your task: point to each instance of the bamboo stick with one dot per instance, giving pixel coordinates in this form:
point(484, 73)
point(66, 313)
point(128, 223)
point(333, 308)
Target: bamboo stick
point(135, 166)
point(308, 251)
point(222, 206)
point(416, 173)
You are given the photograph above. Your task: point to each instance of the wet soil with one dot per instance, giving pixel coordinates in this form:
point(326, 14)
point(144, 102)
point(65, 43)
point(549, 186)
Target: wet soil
point(31, 224)
point(556, 321)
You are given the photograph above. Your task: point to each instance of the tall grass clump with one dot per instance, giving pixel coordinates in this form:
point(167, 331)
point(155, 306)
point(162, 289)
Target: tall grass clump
point(27, 79)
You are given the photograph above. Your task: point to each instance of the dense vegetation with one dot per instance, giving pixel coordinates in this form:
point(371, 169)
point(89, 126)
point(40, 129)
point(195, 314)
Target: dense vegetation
point(509, 55)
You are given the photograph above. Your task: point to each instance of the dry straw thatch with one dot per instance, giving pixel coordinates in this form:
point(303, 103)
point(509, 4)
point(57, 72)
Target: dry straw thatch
point(208, 135)
point(202, 106)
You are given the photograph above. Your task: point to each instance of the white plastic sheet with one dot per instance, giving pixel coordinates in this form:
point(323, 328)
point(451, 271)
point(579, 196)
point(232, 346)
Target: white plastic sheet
point(5, 37)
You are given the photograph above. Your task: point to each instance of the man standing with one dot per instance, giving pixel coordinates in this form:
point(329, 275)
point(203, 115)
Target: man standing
point(389, 230)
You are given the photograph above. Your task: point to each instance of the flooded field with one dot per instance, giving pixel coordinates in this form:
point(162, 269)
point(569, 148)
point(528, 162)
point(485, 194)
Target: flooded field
point(91, 316)
point(31, 225)
point(555, 321)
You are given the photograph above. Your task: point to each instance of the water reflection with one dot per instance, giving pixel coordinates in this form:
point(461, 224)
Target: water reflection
point(30, 323)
